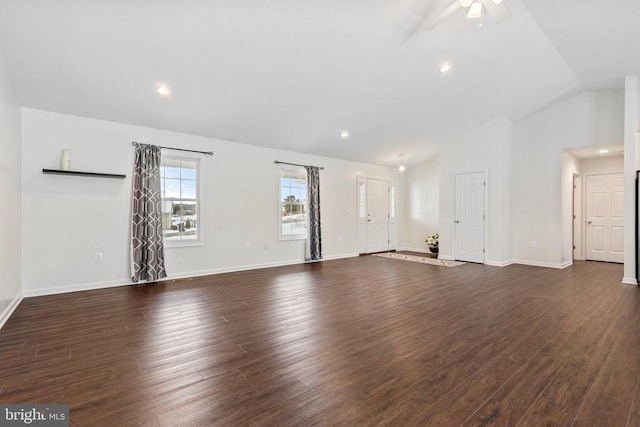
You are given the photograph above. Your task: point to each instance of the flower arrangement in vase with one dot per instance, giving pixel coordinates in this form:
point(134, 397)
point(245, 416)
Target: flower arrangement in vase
point(433, 242)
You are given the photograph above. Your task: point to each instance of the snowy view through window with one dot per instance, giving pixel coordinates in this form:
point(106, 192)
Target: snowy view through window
point(293, 200)
point(179, 186)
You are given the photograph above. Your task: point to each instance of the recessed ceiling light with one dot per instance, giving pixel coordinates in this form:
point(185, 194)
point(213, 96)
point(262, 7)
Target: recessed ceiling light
point(163, 90)
point(344, 134)
point(603, 151)
point(445, 68)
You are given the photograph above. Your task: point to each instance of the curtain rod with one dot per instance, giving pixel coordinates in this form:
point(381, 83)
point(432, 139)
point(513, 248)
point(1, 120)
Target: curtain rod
point(209, 153)
point(296, 164)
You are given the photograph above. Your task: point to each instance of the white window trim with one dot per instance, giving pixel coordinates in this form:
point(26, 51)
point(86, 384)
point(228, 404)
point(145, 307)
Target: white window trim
point(279, 207)
point(200, 174)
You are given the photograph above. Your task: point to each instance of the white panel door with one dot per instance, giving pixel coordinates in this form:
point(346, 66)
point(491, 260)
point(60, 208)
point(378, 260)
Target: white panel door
point(605, 217)
point(393, 216)
point(362, 215)
point(377, 215)
point(469, 217)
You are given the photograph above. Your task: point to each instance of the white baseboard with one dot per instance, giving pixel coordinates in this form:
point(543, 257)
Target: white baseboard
point(9, 310)
point(499, 263)
point(252, 267)
point(116, 283)
point(544, 264)
point(74, 288)
point(233, 269)
point(341, 256)
point(629, 281)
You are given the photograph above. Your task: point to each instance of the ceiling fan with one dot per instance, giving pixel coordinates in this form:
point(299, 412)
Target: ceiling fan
point(440, 10)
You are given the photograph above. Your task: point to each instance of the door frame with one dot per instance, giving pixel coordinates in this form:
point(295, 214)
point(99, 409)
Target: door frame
point(578, 240)
point(485, 172)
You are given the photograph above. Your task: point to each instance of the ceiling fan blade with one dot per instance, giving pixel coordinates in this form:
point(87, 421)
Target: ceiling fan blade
point(415, 21)
point(424, 13)
point(498, 11)
point(433, 21)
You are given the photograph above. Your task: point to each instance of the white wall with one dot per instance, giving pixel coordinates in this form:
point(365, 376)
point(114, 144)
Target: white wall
point(486, 148)
point(10, 214)
point(631, 165)
point(610, 164)
point(66, 220)
point(421, 205)
point(588, 119)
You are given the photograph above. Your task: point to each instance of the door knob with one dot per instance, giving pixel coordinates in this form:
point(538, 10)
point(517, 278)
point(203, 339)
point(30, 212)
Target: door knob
point(589, 222)
point(456, 221)
point(369, 219)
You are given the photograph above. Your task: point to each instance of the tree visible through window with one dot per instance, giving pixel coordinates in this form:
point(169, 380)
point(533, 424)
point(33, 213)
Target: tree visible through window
point(180, 204)
point(293, 202)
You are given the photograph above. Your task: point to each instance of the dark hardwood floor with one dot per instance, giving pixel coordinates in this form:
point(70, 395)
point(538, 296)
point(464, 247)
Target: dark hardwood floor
point(361, 341)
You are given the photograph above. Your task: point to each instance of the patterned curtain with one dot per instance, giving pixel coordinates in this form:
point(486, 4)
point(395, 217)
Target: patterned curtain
point(147, 246)
point(313, 249)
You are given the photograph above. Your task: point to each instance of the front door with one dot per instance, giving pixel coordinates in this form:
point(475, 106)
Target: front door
point(605, 217)
point(377, 215)
point(469, 217)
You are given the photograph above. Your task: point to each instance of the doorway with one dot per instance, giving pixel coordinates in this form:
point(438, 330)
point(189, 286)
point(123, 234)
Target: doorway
point(469, 223)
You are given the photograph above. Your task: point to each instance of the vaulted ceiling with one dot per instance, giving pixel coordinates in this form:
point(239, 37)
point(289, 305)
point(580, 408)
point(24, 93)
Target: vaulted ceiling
point(293, 74)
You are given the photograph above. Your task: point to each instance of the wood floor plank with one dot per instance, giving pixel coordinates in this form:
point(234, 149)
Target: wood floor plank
point(547, 413)
point(463, 400)
point(360, 341)
point(610, 398)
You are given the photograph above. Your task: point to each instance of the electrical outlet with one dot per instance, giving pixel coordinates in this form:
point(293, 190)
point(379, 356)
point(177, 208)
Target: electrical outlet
point(247, 245)
point(534, 244)
point(99, 257)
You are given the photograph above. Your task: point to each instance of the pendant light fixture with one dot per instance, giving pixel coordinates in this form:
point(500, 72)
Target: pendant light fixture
point(401, 168)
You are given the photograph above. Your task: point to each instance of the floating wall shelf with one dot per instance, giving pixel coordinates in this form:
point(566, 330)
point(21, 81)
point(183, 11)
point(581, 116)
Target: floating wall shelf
point(79, 173)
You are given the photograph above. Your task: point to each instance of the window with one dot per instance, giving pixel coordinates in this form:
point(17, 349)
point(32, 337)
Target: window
point(293, 202)
point(179, 182)
point(392, 201)
point(362, 200)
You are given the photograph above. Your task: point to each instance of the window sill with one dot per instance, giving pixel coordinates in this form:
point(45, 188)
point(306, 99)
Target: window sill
point(290, 238)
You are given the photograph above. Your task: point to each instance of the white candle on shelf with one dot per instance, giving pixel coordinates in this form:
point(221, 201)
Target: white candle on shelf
point(65, 160)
